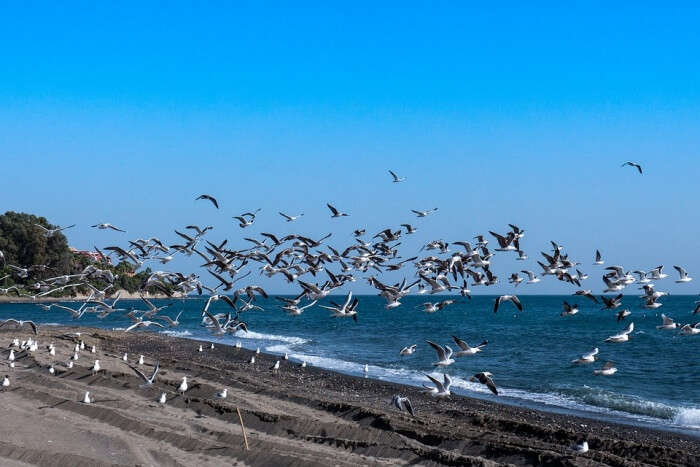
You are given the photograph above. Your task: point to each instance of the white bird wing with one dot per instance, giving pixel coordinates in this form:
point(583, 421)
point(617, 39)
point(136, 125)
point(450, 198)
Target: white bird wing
point(437, 383)
point(440, 351)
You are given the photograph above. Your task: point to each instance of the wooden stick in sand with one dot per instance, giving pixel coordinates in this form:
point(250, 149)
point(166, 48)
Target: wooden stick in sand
point(245, 438)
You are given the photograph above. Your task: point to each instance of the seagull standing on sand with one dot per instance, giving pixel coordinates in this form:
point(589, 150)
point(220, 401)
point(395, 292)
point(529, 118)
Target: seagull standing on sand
point(163, 398)
point(183, 386)
point(86, 398)
point(222, 394)
point(6, 382)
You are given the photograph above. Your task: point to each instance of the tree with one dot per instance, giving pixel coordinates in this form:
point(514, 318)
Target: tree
point(24, 244)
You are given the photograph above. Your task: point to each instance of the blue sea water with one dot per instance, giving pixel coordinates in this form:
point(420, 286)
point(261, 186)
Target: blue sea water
point(529, 352)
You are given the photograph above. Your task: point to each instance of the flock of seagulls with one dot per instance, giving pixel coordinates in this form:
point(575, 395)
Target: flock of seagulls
point(320, 270)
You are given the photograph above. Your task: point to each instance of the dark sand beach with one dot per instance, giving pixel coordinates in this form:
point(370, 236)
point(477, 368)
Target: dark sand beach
point(298, 416)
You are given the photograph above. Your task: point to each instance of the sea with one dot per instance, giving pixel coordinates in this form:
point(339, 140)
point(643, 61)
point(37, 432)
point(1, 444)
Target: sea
point(529, 353)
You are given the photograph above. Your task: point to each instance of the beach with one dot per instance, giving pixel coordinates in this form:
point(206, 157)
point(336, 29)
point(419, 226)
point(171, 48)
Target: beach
point(296, 416)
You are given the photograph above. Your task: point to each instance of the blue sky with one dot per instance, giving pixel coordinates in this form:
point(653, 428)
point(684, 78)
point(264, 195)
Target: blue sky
point(510, 114)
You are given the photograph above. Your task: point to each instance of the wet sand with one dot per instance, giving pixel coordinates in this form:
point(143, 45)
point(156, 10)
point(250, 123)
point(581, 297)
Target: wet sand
point(295, 416)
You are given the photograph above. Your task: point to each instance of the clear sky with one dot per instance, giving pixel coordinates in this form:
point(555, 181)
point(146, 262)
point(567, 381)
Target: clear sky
point(125, 113)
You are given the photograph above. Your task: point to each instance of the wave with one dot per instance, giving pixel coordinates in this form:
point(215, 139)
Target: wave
point(583, 399)
point(688, 417)
point(170, 332)
point(270, 337)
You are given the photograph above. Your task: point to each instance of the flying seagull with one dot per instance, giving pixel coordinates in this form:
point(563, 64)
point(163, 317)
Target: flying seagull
point(441, 389)
point(210, 198)
point(397, 179)
point(444, 354)
point(335, 212)
point(21, 323)
point(107, 225)
point(148, 381)
point(466, 349)
point(423, 213)
point(402, 403)
point(51, 232)
point(683, 275)
point(507, 298)
point(291, 218)
point(633, 164)
point(485, 378)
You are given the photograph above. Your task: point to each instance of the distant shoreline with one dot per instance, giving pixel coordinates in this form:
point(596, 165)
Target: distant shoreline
point(81, 297)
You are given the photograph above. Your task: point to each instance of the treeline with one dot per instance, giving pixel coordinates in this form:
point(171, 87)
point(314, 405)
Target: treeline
point(28, 247)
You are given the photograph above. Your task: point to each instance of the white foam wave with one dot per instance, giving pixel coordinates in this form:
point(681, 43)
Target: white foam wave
point(270, 337)
point(688, 417)
point(170, 332)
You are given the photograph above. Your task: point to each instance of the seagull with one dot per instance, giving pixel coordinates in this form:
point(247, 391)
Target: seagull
point(210, 198)
point(441, 389)
point(668, 323)
point(222, 394)
point(532, 278)
point(402, 403)
point(252, 360)
point(607, 370)
point(690, 329)
point(95, 367)
point(586, 358)
point(444, 354)
point(148, 381)
point(683, 275)
point(141, 360)
point(569, 310)
point(51, 232)
point(423, 213)
point(335, 212)
point(409, 229)
point(86, 398)
point(143, 324)
point(611, 303)
point(21, 323)
point(163, 398)
point(586, 293)
point(485, 378)
point(510, 298)
point(598, 259)
point(290, 218)
point(633, 164)
point(580, 447)
point(6, 382)
point(408, 350)
point(465, 349)
point(183, 386)
point(429, 307)
point(107, 225)
point(622, 336)
point(276, 366)
point(622, 314)
point(396, 178)
point(366, 369)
